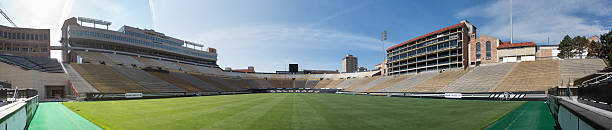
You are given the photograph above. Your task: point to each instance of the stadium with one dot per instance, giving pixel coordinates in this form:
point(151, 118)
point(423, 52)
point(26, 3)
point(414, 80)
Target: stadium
point(450, 78)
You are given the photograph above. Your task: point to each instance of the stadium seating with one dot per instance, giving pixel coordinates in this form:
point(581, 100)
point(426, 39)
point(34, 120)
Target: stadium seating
point(107, 80)
point(437, 82)
point(311, 83)
point(323, 83)
point(123, 59)
point(204, 86)
point(176, 81)
point(148, 62)
point(41, 64)
point(80, 84)
point(215, 82)
point(572, 69)
point(281, 83)
point(361, 83)
point(334, 83)
point(349, 82)
point(239, 83)
point(377, 80)
point(94, 57)
point(227, 82)
point(299, 83)
point(481, 79)
point(262, 83)
point(409, 82)
point(388, 83)
point(186, 67)
point(147, 80)
point(205, 70)
point(167, 64)
point(531, 76)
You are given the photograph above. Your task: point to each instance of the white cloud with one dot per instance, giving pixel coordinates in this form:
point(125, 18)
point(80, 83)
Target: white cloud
point(537, 20)
point(272, 47)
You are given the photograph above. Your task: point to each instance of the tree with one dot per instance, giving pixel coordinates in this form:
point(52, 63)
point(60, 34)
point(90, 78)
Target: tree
point(606, 42)
point(594, 49)
point(580, 44)
point(565, 47)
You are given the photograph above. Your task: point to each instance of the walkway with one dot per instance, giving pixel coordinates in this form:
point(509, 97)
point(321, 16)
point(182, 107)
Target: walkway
point(55, 116)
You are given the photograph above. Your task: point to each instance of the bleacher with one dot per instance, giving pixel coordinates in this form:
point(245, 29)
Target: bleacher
point(409, 82)
point(176, 81)
point(531, 76)
point(481, 79)
point(572, 69)
point(361, 83)
point(204, 86)
point(167, 64)
point(281, 83)
point(334, 83)
point(33, 63)
point(323, 83)
point(107, 80)
point(148, 62)
point(227, 82)
point(94, 57)
point(388, 83)
point(348, 83)
point(377, 81)
point(147, 80)
point(437, 82)
point(262, 83)
point(311, 83)
point(79, 83)
point(299, 83)
point(123, 59)
point(211, 80)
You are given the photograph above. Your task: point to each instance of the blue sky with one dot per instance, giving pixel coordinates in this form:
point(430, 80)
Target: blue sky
point(269, 34)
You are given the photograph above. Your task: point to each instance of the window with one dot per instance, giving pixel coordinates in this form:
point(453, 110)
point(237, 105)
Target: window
point(24, 49)
point(45, 37)
point(488, 53)
point(27, 36)
point(15, 49)
point(518, 58)
point(43, 49)
point(18, 35)
point(22, 36)
point(36, 37)
point(478, 50)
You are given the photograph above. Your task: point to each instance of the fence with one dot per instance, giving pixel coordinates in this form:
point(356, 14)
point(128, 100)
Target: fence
point(18, 114)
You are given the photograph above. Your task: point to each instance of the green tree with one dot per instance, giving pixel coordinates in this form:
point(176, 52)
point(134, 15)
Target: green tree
point(606, 42)
point(594, 49)
point(565, 47)
point(580, 44)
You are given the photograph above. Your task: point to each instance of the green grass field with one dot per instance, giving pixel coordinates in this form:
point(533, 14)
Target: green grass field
point(293, 111)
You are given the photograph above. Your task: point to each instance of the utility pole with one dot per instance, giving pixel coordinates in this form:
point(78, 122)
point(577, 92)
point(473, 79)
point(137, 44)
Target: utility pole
point(382, 40)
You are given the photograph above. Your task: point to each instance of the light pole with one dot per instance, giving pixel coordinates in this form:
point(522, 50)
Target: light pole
point(383, 38)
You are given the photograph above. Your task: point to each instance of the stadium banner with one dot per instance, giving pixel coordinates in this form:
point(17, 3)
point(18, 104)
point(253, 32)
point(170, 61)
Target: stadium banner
point(133, 95)
point(452, 95)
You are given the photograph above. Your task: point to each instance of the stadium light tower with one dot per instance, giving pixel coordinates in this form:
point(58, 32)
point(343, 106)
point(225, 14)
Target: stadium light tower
point(511, 28)
point(383, 38)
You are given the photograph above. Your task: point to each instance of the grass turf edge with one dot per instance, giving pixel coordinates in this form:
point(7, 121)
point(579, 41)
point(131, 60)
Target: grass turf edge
point(499, 117)
point(86, 117)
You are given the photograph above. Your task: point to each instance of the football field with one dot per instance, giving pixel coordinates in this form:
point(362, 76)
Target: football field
point(293, 111)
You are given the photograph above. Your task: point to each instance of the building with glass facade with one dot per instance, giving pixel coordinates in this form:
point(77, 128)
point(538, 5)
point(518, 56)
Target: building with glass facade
point(437, 50)
point(24, 41)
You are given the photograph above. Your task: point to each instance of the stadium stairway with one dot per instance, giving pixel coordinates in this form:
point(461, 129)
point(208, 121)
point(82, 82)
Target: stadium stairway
point(107, 80)
point(147, 80)
point(123, 59)
point(204, 86)
point(388, 83)
point(439, 81)
point(572, 69)
point(363, 83)
point(410, 81)
point(79, 83)
point(531, 76)
point(481, 79)
point(176, 81)
point(377, 81)
point(311, 83)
